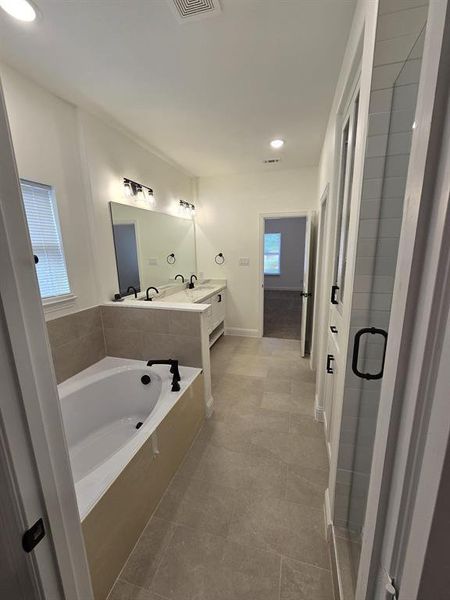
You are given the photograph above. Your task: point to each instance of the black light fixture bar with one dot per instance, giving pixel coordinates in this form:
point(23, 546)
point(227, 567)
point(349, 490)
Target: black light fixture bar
point(188, 205)
point(136, 187)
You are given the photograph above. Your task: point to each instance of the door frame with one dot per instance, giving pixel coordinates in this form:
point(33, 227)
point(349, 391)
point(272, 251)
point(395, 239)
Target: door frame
point(413, 425)
point(320, 334)
point(44, 486)
point(308, 214)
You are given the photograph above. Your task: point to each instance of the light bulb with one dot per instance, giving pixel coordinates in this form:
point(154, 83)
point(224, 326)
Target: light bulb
point(19, 9)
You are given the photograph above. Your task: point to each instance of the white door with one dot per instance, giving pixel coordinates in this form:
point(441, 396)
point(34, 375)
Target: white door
point(307, 292)
point(36, 479)
point(339, 296)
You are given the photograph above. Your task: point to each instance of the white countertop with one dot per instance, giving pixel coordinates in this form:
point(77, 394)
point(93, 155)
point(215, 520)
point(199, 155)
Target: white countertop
point(177, 298)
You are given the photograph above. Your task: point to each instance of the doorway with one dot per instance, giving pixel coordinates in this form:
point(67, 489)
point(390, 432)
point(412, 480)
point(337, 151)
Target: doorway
point(285, 276)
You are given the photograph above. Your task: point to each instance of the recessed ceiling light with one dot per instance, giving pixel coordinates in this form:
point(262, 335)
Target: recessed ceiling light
point(277, 144)
point(19, 9)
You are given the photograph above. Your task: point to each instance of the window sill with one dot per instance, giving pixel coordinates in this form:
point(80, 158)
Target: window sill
point(58, 302)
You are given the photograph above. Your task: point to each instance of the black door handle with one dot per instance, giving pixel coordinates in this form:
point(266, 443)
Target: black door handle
point(220, 298)
point(361, 332)
point(334, 289)
point(330, 359)
point(333, 329)
point(36, 259)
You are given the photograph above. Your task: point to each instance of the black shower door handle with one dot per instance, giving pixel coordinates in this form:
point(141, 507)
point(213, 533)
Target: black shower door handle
point(359, 334)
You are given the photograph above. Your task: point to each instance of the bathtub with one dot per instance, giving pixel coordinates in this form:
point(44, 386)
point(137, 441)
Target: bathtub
point(109, 414)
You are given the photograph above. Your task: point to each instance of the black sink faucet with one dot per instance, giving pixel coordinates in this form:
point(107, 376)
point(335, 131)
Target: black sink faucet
point(132, 289)
point(173, 369)
point(191, 283)
point(148, 289)
point(179, 275)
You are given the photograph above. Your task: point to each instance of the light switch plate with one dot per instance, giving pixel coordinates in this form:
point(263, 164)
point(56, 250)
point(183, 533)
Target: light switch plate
point(153, 261)
point(244, 262)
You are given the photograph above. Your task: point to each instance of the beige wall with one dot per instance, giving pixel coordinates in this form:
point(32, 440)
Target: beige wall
point(85, 159)
point(109, 156)
point(44, 130)
point(229, 220)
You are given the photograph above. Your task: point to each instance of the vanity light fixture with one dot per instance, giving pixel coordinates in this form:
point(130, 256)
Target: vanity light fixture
point(132, 188)
point(187, 208)
point(22, 10)
point(277, 144)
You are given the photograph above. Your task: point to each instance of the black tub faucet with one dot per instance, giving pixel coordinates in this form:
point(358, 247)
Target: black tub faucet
point(173, 369)
point(148, 289)
point(132, 289)
point(191, 283)
point(179, 275)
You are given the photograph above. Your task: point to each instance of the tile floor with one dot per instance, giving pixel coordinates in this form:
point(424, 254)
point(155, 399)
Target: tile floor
point(243, 517)
point(282, 314)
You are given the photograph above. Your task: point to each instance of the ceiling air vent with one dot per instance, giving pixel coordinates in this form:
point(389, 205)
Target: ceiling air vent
point(271, 161)
point(187, 10)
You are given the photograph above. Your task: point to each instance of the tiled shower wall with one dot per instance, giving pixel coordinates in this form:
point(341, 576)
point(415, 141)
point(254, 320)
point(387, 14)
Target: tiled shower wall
point(397, 63)
point(83, 338)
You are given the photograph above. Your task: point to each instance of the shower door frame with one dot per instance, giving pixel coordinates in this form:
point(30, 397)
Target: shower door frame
point(408, 453)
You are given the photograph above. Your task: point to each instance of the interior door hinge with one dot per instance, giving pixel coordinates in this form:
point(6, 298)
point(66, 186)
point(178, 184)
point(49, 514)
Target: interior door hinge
point(392, 591)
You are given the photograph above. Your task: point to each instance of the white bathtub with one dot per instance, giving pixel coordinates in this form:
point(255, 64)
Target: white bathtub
point(101, 407)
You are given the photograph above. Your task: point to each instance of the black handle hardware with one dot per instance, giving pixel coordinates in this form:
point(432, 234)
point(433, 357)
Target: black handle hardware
point(334, 289)
point(306, 294)
point(333, 329)
point(219, 298)
point(330, 359)
point(36, 259)
point(361, 332)
point(33, 536)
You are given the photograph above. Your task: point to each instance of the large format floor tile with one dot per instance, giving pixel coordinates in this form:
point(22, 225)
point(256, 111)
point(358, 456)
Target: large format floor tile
point(243, 517)
point(200, 566)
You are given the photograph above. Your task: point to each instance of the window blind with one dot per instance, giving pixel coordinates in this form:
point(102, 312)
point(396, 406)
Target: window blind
point(43, 225)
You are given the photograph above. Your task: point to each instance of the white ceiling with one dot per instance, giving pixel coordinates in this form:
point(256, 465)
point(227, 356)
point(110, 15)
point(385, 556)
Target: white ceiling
point(210, 94)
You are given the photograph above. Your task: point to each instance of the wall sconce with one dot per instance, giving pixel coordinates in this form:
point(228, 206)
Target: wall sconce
point(132, 188)
point(187, 209)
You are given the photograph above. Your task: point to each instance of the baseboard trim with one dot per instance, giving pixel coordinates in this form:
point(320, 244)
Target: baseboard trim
point(209, 408)
point(283, 289)
point(318, 410)
point(242, 332)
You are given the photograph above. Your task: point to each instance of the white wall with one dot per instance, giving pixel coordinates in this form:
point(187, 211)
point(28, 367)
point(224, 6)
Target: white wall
point(45, 136)
point(85, 159)
point(110, 155)
point(229, 221)
point(292, 259)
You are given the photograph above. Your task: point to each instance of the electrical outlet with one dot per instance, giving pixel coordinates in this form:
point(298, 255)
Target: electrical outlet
point(244, 262)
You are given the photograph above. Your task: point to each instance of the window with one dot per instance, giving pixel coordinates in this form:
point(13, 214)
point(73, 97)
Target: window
point(43, 225)
point(272, 249)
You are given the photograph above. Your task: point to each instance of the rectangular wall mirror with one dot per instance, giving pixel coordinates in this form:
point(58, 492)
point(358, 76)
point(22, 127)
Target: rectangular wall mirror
point(151, 247)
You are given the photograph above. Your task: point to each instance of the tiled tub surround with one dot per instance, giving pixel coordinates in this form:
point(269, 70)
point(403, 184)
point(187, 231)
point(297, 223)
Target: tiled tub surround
point(76, 341)
point(243, 517)
point(147, 332)
point(118, 492)
point(143, 332)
